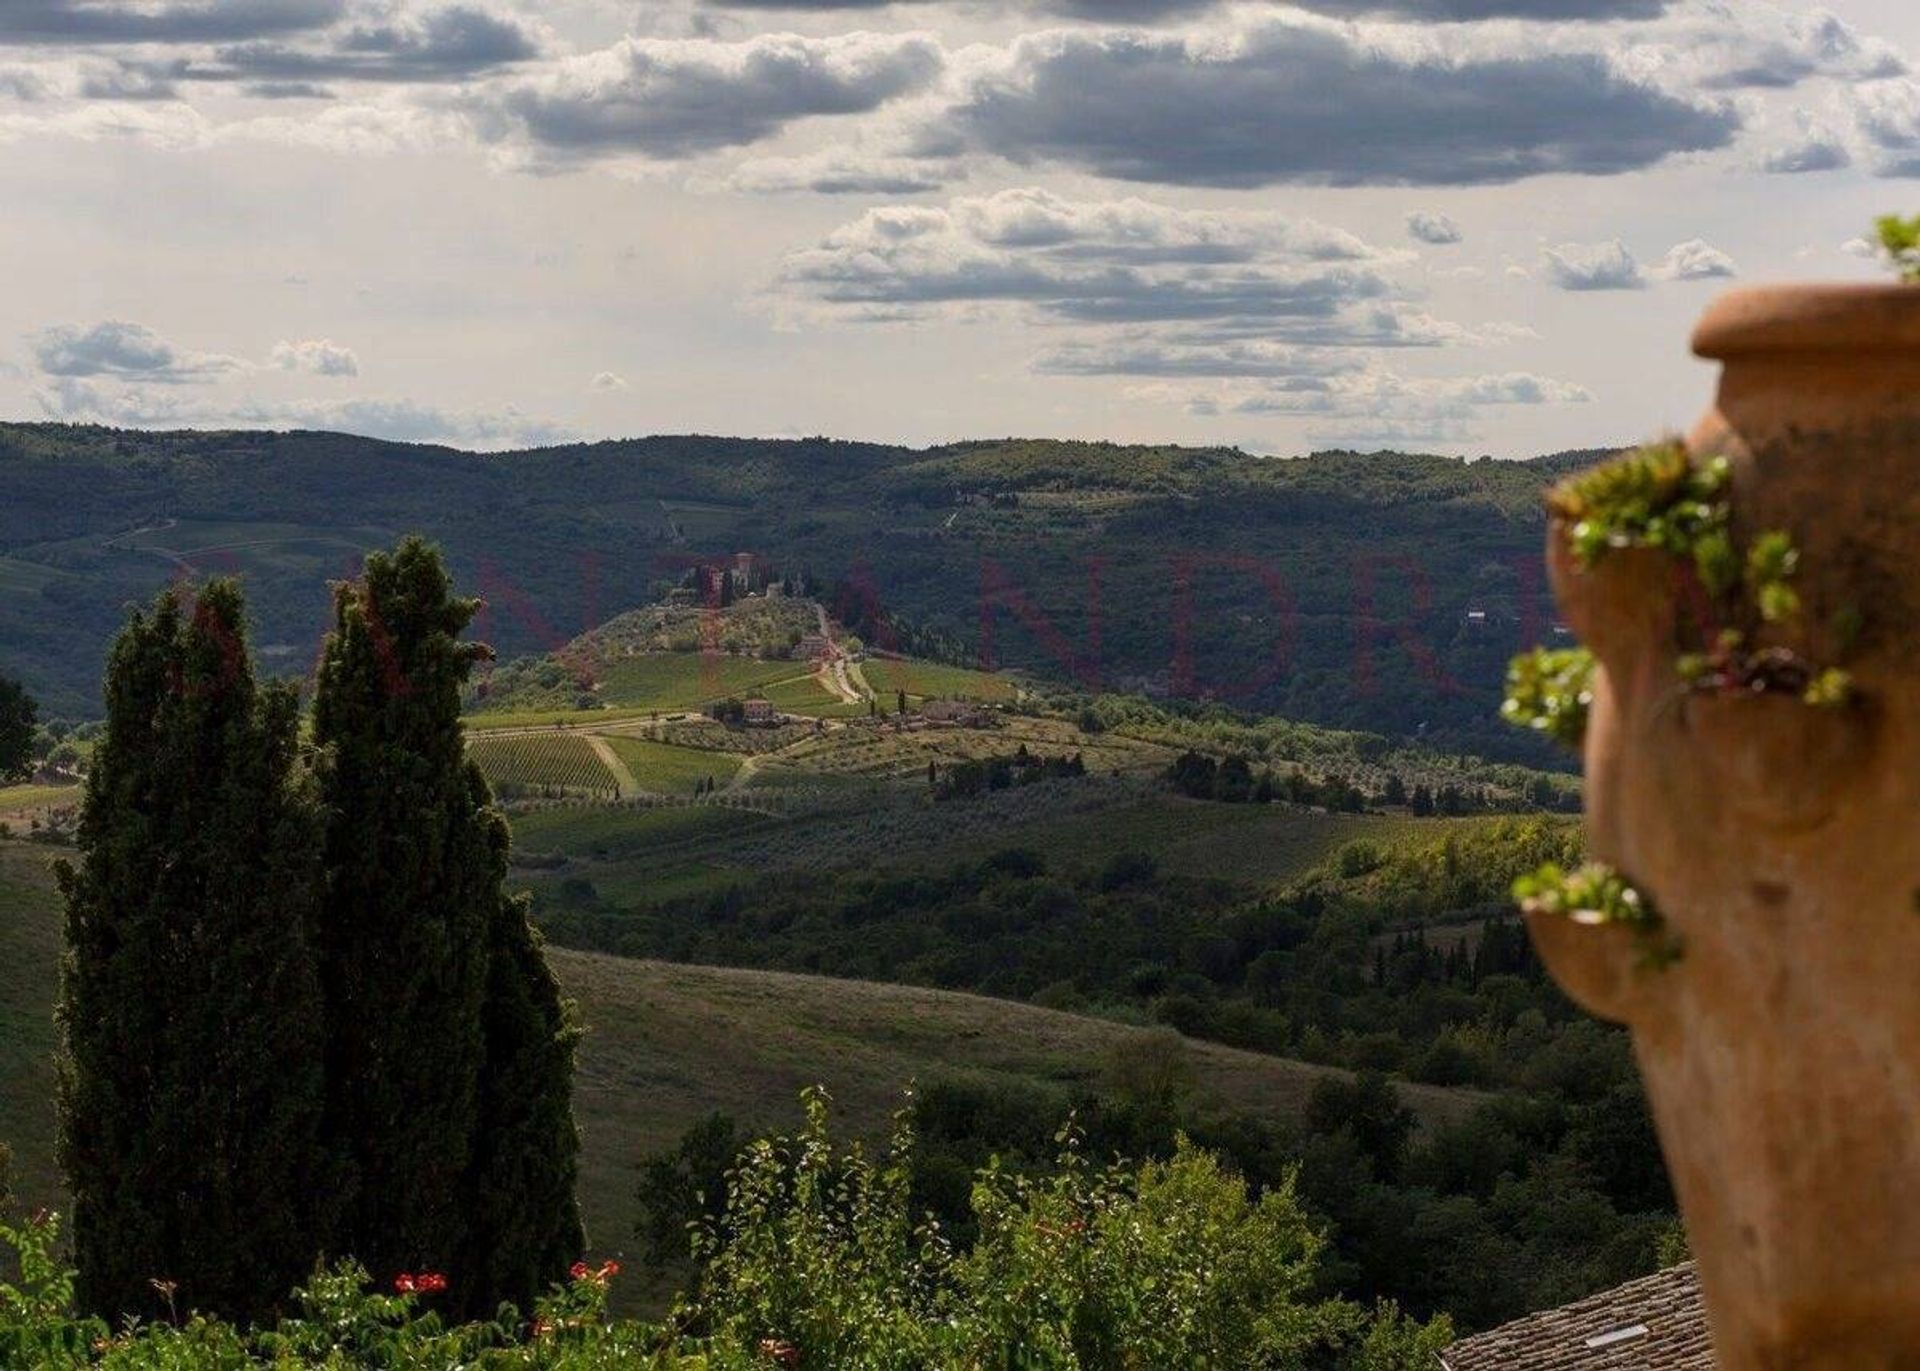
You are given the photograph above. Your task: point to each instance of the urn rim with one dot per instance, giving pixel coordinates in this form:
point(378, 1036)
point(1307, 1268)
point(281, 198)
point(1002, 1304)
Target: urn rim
point(1811, 318)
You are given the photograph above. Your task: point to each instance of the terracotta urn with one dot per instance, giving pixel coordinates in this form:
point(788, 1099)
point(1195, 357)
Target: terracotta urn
point(1780, 843)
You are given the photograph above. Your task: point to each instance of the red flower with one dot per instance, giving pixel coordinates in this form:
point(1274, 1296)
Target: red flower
point(578, 1271)
point(403, 1284)
point(608, 1269)
point(432, 1283)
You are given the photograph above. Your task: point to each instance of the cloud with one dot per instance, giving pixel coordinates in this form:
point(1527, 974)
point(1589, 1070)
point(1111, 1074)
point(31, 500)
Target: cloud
point(400, 420)
point(184, 21)
point(1159, 358)
point(125, 351)
point(838, 173)
point(1112, 262)
point(1594, 266)
point(1293, 100)
point(1156, 11)
point(676, 98)
point(606, 380)
point(1373, 404)
point(1432, 228)
point(1775, 49)
point(320, 356)
point(446, 44)
point(1818, 148)
point(1694, 260)
point(1886, 117)
point(132, 81)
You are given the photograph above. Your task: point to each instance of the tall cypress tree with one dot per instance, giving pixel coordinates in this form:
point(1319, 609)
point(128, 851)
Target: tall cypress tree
point(449, 1055)
point(190, 1088)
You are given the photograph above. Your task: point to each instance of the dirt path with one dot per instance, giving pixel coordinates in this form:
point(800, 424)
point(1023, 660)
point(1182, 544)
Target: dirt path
point(623, 776)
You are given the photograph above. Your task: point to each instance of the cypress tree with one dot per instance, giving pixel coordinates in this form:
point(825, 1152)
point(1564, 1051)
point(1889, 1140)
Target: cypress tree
point(189, 1085)
point(449, 1056)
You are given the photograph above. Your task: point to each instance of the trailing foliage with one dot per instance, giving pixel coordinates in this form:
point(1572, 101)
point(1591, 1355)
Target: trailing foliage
point(1899, 242)
point(1551, 692)
point(1660, 498)
point(1592, 893)
point(192, 1036)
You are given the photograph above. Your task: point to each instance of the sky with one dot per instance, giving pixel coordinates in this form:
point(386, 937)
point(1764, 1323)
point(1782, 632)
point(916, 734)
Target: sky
point(1461, 226)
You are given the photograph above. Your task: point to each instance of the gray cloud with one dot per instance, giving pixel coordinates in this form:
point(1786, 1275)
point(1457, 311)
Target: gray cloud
point(1105, 262)
point(133, 81)
point(1155, 11)
point(1815, 153)
point(1776, 53)
point(1295, 101)
point(678, 98)
point(447, 44)
point(1158, 358)
point(1594, 266)
point(124, 351)
point(1437, 229)
point(185, 21)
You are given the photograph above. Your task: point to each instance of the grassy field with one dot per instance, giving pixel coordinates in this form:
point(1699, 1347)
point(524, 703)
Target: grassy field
point(23, 799)
point(666, 1044)
point(806, 695)
point(686, 680)
point(934, 681)
point(672, 770)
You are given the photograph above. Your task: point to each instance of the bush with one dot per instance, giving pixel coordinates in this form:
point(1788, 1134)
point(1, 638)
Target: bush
point(817, 1261)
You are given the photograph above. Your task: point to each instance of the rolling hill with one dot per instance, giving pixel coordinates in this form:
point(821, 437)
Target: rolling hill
point(666, 1044)
point(1382, 592)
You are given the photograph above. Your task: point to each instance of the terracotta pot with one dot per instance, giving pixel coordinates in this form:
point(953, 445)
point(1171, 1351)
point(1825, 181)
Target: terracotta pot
point(1782, 843)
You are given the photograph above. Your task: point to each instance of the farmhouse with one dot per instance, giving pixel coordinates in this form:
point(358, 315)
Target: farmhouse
point(959, 713)
point(813, 647)
point(759, 713)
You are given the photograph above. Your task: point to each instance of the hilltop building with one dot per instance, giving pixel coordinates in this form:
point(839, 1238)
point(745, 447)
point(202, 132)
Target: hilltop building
point(759, 713)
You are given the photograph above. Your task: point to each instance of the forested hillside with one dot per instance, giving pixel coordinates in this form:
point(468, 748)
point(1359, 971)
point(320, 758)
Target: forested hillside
point(1382, 592)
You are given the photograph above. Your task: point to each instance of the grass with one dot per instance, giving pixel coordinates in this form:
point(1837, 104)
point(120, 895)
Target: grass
point(934, 681)
point(687, 680)
point(606, 832)
point(666, 1044)
point(805, 695)
point(16, 799)
point(673, 770)
point(562, 761)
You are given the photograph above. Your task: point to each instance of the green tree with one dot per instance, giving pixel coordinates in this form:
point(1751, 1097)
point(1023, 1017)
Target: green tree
point(190, 1088)
point(449, 1054)
point(18, 715)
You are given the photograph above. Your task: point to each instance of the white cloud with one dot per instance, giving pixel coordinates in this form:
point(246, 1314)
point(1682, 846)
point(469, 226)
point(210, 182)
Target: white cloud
point(321, 356)
point(607, 380)
point(1594, 266)
point(1694, 260)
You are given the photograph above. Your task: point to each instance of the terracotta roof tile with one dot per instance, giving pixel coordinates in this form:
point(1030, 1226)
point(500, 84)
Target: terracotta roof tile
point(1652, 1324)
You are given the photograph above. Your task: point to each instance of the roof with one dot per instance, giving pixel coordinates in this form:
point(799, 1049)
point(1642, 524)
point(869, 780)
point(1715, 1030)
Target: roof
point(1656, 1323)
